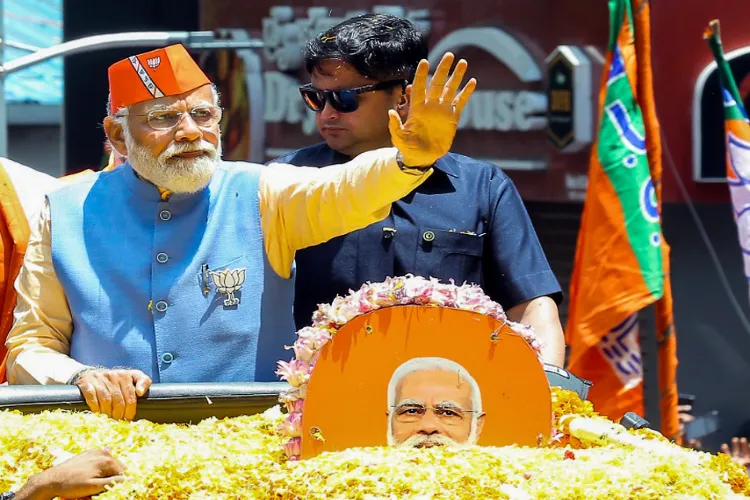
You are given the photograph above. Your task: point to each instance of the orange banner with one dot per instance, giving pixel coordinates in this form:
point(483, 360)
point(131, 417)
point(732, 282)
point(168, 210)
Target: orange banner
point(14, 237)
point(621, 258)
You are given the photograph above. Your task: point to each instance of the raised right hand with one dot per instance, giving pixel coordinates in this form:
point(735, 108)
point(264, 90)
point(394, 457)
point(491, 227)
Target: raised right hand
point(434, 112)
point(113, 392)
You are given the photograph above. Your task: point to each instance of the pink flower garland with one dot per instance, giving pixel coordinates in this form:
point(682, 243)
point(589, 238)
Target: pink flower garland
point(329, 318)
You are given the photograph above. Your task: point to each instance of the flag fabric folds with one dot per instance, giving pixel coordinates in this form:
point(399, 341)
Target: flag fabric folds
point(622, 261)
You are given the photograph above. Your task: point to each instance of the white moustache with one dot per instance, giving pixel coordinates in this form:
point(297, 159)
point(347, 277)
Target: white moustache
point(427, 441)
point(177, 148)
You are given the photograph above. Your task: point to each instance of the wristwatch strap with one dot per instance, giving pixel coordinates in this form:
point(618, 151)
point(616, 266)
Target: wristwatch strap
point(408, 169)
point(74, 379)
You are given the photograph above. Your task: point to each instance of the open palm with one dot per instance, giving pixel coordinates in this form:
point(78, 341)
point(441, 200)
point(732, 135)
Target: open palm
point(434, 112)
point(740, 451)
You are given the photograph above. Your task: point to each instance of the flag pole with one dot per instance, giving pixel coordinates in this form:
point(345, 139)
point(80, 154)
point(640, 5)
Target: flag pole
point(650, 366)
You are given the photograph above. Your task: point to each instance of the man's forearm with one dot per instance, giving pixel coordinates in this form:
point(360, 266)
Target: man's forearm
point(35, 489)
point(42, 366)
point(543, 316)
point(39, 342)
point(302, 207)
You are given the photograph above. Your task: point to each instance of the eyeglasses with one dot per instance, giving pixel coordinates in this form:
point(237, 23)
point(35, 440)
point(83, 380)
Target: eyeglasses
point(342, 100)
point(448, 414)
point(204, 116)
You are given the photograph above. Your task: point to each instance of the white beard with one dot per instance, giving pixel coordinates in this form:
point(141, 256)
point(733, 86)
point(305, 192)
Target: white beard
point(421, 440)
point(178, 175)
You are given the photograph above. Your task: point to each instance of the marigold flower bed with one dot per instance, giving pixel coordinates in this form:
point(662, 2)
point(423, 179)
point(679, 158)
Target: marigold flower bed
point(243, 457)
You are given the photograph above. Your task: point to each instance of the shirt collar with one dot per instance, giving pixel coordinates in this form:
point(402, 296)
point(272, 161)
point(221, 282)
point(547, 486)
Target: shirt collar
point(447, 165)
point(165, 194)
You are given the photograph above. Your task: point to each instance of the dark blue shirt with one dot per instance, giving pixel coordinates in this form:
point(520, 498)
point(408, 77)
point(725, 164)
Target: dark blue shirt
point(467, 223)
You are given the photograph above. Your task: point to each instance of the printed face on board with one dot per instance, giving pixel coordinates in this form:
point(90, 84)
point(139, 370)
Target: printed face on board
point(433, 402)
point(422, 376)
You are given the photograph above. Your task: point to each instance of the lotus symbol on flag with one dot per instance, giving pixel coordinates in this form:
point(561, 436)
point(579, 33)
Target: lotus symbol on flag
point(227, 282)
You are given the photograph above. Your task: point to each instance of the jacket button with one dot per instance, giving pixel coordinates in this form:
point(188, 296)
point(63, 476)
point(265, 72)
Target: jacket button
point(167, 357)
point(165, 215)
point(428, 236)
point(161, 306)
point(162, 258)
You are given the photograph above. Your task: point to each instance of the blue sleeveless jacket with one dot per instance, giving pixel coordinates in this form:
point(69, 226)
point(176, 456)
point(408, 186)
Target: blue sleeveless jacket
point(138, 275)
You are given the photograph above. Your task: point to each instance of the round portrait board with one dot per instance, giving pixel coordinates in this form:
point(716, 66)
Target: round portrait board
point(347, 400)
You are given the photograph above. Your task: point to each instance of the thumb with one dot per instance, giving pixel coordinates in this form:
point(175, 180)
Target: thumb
point(142, 383)
point(100, 483)
point(394, 123)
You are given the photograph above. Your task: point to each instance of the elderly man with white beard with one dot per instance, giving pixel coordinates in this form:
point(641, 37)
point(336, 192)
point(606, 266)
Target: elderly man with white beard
point(433, 402)
point(179, 267)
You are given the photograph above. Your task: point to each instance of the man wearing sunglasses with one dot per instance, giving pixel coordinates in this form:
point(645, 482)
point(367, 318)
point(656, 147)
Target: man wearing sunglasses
point(466, 223)
point(177, 266)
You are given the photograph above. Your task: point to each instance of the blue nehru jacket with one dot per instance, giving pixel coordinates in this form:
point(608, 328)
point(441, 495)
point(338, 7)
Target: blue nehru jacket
point(136, 271)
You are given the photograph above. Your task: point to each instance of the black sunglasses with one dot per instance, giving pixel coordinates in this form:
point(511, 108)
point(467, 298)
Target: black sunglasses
point(342, 100)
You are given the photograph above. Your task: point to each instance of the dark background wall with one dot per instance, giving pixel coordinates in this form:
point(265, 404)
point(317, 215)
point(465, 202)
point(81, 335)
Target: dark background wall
point(86, 83)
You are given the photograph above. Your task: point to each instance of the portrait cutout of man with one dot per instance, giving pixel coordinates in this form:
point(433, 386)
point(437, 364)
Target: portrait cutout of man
point(413, 385)
point(433, 402)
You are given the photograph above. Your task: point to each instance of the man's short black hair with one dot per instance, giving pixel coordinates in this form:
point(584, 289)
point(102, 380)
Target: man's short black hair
point(379, 46)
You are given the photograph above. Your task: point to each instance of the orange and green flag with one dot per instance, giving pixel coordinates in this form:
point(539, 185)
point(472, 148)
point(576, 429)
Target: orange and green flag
point(737, 130)
point(621, 259)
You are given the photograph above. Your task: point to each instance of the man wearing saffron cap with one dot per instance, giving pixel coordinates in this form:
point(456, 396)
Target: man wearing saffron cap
point(179, 267)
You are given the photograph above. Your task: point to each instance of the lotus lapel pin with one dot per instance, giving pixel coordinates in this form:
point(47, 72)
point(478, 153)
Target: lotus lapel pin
point(227, 282)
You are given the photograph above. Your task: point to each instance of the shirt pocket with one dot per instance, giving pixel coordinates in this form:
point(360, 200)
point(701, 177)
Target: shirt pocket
point(450, 255)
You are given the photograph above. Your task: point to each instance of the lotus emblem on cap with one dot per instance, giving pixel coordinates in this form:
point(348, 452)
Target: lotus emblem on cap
point(153, 62)
point(227, 282)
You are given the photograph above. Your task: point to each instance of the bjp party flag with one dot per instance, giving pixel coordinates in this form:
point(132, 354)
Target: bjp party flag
point(737, 130)
point(621, 262)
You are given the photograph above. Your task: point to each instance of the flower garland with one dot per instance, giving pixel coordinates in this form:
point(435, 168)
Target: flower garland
point(241, 457)
point(329, 318)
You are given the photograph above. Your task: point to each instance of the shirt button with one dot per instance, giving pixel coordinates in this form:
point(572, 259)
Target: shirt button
point(428, 236)
point(161, 306)
point(167, 357)
point(165, 215)
point(162, 258)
